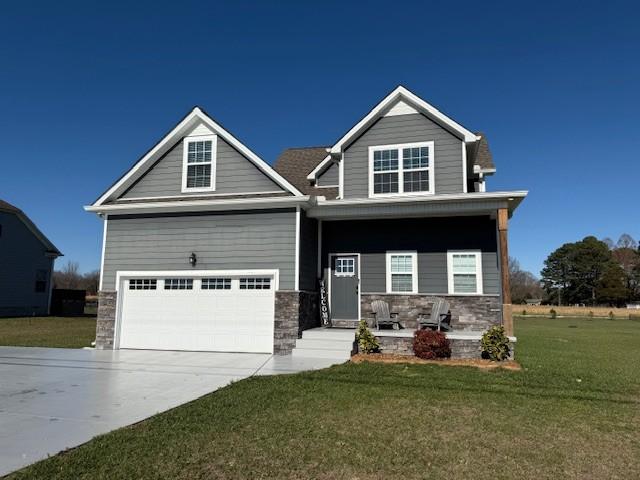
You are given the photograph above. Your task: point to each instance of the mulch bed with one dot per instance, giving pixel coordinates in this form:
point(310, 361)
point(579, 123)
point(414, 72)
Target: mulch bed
point(453, 362)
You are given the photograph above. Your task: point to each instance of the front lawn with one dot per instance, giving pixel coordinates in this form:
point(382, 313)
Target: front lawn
point(62, 332)
point(574, 412)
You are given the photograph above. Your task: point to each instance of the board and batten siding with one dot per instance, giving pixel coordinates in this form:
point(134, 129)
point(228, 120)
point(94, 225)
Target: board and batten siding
point(448, 162)
point(430, 237)
point(22, 254)
point(330, 177)
point(308, 252)
point(233, 241)
point(235, 174)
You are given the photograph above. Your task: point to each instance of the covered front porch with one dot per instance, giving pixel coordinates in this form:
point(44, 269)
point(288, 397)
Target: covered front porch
point(412, 252)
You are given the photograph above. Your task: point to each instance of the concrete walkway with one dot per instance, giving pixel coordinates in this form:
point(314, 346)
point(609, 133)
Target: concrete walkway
point(52, 399)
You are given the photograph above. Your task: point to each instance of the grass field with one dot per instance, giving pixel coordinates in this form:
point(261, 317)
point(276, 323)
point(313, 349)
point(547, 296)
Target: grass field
point(63, 332)
point(573, 412)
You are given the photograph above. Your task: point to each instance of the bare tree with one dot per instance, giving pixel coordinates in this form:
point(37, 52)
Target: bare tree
point(524, 285)
point(609, 243)
point(627, 241)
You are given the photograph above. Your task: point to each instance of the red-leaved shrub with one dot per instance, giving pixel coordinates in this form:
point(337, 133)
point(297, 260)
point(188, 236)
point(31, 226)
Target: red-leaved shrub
point(429, 345)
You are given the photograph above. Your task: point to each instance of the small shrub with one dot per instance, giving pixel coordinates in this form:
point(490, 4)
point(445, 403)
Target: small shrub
point(611, 315)
point(553, 313)
point(524, 312)
point(495, 344)
point(430, 345)
point(590, 313)
point(367, 342)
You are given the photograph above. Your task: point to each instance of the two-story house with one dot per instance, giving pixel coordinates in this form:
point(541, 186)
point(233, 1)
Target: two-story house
point(26, 265)
point(208, 247)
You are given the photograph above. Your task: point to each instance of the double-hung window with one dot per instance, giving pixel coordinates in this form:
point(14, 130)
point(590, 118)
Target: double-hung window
point(401, 169)
point(199, 164)
point(402, 272)
point(465, 272)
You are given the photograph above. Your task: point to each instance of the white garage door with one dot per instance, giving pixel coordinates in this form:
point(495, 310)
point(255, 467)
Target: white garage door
point(221, 313)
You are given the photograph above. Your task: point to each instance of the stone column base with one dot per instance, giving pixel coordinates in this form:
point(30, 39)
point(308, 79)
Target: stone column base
point(106, 321)
point(295, 311)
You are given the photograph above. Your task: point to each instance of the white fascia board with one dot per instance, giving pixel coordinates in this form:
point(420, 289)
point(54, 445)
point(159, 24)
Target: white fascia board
point(198, 205)
point(178, 131)
point(421, 105)
point(314, 173)
point(485, 171)
point(470, 197)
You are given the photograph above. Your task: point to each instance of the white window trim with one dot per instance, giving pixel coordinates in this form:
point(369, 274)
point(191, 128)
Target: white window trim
point(348, 274)
point(401, 170)
point(478, 254)
point(414, 271)
point(185, 164)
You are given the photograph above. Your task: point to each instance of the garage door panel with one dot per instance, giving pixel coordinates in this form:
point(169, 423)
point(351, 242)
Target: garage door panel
point(230, 320)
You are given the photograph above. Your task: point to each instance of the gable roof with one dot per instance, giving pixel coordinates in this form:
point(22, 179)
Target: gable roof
point(400, 93)
point(296, 163)
point(51, 248)
point(190, 120)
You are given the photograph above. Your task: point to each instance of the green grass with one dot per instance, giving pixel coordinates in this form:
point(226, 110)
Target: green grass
point(574, 412)
point(62, 332)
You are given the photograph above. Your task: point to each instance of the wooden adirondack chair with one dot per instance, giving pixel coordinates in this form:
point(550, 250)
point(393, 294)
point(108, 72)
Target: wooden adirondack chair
point(382, 315)
point(439, 318)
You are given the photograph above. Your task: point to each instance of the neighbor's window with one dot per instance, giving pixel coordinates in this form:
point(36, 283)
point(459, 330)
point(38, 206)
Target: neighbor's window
point(216, 284)
point(143, 284)
point(178, 284)
point(41, 281)
point(345, 267)
point(397, 169)
point(199, 163)
point(465, 272)
point(255, 283)
point(402, 272)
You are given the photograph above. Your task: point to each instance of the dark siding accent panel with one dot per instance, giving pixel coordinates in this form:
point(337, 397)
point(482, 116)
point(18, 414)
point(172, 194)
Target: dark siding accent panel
point(21, 255)
point(234, 174)
point(221, 242)
point(404, 129)
point(430, 237)
point(330, 177)
point(308, 252)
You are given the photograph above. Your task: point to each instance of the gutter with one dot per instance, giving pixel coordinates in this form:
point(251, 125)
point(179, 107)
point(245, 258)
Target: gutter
point(201, 205)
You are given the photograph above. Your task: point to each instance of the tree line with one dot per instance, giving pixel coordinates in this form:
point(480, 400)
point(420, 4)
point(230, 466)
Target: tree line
point(70, 277)
point(586, 272)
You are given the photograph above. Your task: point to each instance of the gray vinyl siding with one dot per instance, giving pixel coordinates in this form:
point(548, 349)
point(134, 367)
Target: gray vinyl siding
point(251, 240)
point(235, 174)
point(330, 177)
point(21, 255)
point(396, 129)
point(431, 238)
point(308, 252)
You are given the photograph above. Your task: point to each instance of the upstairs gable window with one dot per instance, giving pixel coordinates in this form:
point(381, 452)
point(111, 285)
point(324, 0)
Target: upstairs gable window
point(401, 169)
point(199, 158)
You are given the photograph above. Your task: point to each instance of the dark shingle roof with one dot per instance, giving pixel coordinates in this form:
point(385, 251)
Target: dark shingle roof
point(7, 207)
point(482, 155)
point(295, 164)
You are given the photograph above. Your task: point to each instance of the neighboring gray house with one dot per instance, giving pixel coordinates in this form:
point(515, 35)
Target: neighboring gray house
point(207, 247)
point(26, 265)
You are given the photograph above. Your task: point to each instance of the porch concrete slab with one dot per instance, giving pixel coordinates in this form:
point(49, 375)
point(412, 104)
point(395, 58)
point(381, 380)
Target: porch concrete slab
point(54, 399)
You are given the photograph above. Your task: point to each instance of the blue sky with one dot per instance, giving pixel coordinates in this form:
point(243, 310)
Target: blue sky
point(86, 89)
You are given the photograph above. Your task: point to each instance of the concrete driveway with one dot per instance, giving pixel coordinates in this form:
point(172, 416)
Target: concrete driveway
point(52, 399)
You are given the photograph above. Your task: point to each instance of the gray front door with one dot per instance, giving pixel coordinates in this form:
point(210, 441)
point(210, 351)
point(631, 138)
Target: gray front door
point(345, 284)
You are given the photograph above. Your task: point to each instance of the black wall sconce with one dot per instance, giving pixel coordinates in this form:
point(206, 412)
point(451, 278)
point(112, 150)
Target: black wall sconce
point(193, 259)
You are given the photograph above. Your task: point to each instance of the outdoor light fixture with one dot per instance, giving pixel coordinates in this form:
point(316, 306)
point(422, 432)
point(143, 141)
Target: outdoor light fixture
point(192, 259)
